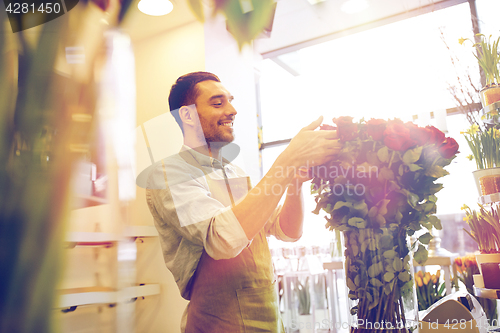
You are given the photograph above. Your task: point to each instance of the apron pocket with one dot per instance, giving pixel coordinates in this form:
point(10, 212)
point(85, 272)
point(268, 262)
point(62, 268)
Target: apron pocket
point(259, 309)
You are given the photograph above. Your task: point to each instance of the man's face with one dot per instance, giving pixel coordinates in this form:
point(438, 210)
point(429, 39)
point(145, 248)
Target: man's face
point(215, 111)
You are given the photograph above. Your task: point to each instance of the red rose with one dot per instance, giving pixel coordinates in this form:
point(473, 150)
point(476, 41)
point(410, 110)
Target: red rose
point(419, 134)
point(327, 127)
point(375, 128)
point(436, 137)
point(397, 136)
point(448, 148)
point(347, 130)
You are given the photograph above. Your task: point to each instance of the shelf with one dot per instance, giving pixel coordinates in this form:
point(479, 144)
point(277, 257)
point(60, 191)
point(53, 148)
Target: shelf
point(490, 198)
point(108, 239)
point(91, 239)
point(100, 295)
point(487, 293)
point(81, 201)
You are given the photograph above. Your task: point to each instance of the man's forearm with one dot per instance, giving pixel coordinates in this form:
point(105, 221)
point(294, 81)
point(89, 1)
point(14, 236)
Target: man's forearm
point(292, 214)
point(258, 205)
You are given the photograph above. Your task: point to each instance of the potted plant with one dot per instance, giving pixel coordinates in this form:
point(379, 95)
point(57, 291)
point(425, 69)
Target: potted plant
point(380, 192)
point(488, 59)
point(464, 270)
point(485, 146)
point(485, 231)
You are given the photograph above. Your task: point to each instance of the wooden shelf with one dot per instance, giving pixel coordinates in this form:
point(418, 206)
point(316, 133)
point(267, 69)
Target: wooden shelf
point(88, 201)
point(487, 293)
point(91, 239)
point(108, 239)
point(101, 295)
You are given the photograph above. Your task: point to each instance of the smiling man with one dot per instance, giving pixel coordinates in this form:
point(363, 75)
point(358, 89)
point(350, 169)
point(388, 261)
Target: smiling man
point(213, 225)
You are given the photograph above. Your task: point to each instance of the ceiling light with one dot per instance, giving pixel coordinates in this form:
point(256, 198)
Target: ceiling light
point(354, 6)
point(155, 7)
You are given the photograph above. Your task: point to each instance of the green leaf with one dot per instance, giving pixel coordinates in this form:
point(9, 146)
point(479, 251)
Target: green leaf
point(436, 222)
point(350, 284)
point(385, 242)
point(385, 174)
point(404, 276)
point(401, 170)
point(421, 254)
point(436, 171)
point(388, 288)
point(414, 167)
point(398, 216)
point(397, 264)
point(412, 155)
point(412, 199)
point(425, 238)
point(389, 254)
point(388, 276)
point(373, 212)
point(376, 282)
point(383, 207)
point(361, 208)
point(357, 222)
point(197, 9)
point(340, 204)
point(383, 154)
point(374, 270)
point(356, 280)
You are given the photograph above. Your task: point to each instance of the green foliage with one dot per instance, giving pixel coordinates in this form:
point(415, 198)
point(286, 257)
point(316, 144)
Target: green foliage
point(485, 146)
point(379, 198)
point(246, 19)
point(487, 57)
point(484, 227)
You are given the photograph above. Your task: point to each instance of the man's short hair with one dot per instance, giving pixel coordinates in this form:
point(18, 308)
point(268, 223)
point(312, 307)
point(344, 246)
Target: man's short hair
point(184, 92)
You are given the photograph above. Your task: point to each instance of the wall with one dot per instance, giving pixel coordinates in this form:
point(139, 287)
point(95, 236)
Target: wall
point(237, 74)
point(160, 60)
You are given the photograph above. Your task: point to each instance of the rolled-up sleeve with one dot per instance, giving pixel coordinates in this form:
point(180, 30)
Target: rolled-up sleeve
point(198, 217)
point(273, 227)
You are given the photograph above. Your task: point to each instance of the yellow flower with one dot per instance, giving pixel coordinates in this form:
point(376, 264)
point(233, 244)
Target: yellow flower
point(438, 273)
point(469, 157)
point(474, 128)
point(426, 280)
point(464, 207)
point(418, 280)
point(461, 41)
point(420, 274)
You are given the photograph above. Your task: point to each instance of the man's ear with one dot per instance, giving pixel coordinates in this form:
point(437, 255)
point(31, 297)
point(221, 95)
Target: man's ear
point(188, 116)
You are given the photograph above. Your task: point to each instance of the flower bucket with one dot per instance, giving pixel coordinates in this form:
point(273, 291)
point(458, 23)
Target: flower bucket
point(379, 278)
point(488, 264)
point(487, 181)
point(490, 95)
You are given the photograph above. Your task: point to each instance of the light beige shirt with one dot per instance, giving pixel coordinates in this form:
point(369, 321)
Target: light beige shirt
point(189, 219)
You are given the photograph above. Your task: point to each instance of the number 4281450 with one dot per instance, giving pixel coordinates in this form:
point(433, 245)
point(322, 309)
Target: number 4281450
point(24, 8)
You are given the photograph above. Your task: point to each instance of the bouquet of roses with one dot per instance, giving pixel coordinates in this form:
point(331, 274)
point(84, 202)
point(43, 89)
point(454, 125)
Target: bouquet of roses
point(380, 190)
